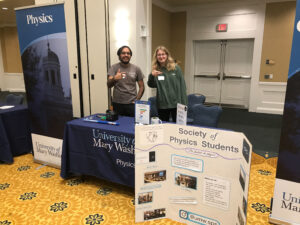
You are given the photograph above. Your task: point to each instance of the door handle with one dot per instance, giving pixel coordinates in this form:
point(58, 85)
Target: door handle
point(92, 76)
point(208, 76)
point(246, 77)
point(236, 77)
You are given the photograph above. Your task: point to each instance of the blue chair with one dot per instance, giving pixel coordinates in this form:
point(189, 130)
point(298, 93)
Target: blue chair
point(193, 99)
point(206, 116)
point(12, 99)
point(153, 107)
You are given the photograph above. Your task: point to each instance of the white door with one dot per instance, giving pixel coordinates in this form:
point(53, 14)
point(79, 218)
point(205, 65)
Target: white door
point(91, 19)
point(223, 71)
point(237, 72)
point(207, 69)
point(96, 42)
point(73, 57)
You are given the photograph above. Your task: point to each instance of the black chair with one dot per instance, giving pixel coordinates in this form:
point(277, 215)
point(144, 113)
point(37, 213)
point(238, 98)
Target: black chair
point(153, 107)
point(12, 99)
point(206, 116)
point(193, 99)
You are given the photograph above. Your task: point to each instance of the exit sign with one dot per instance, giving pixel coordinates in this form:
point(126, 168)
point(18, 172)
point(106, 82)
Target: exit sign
point(221, 27)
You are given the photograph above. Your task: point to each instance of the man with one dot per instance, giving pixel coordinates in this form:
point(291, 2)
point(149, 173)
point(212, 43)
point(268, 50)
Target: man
point(123, 77)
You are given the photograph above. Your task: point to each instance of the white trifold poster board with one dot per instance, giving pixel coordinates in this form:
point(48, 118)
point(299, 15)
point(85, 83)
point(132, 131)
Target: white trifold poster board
point(190, 174)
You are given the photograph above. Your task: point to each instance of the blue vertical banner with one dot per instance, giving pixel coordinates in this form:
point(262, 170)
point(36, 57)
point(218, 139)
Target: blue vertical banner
point(286, 199)
point(43, 46)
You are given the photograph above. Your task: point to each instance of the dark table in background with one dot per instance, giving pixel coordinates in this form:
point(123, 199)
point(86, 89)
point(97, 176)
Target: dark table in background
point(15, 135)
point(101, 150)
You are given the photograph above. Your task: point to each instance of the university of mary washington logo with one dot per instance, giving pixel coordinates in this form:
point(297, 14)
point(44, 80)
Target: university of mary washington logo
point(36, 20)
point(290, 202)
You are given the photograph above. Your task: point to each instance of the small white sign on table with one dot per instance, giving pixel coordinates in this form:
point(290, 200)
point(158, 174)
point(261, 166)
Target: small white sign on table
point(142, 112)
point(181, 114)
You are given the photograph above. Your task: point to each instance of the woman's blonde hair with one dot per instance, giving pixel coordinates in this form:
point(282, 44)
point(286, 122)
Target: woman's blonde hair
point(170, 63)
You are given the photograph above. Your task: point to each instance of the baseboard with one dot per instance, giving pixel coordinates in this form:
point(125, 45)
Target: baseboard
point(16, 90)
point(270, 110)
point(271, 97)
point(13, 82)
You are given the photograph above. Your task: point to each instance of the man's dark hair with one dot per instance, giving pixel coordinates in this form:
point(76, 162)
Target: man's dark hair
point(121, 49)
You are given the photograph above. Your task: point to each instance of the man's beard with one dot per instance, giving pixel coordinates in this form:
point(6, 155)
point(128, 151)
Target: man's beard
point(124, 62)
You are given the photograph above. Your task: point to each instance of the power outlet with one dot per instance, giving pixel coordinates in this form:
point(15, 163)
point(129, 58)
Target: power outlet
point(270, 62)
point(268, 76)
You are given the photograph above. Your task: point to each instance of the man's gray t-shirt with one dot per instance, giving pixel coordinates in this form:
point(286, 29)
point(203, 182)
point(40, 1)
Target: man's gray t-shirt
point(125, 91)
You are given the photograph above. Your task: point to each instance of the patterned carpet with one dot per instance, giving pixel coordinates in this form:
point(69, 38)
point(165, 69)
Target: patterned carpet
point(34, 194)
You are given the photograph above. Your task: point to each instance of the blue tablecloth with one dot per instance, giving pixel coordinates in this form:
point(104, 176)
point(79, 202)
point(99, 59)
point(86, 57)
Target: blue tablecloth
point(101, 150)
point(15, 135)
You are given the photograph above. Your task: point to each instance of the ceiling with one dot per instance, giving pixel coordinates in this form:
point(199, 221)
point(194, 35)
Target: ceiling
point(178, 3)
point(7, 17)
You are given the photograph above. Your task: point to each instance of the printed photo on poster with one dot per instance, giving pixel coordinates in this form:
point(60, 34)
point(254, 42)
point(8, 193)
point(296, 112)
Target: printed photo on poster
point(145, 197)
point(246, 150)
point(153, 214)
point(240, 217)
point(155, 176)
point(186, 181)
point(152, 156)
point(144, 157)
point(242, 177)
point(244, 206)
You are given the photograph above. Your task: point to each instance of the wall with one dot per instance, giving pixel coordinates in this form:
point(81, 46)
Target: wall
point(244, 19)
point(143, 42)
point(10, 50)
point(178, 34)
point(11, 75)
point(277, 42)
point(126, 18)
point(161, 28)
point(169, 29)
point(40, 2)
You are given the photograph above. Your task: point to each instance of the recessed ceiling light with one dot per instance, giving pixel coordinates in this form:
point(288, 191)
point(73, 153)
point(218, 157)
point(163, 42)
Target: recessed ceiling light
point(4, 8)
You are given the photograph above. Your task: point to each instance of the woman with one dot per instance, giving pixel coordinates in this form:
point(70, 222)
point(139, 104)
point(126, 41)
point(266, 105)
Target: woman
point(167, 77)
